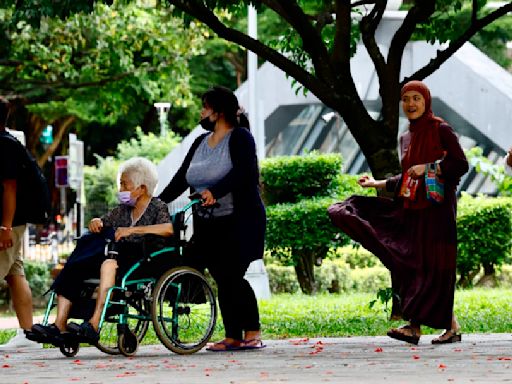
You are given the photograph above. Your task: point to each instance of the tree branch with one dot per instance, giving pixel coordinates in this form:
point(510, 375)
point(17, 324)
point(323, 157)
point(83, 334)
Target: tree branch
point(10, 63)
point(312, 41)
point(444, 55)
point(341, 47)
point(368, 27)
point(197, 10)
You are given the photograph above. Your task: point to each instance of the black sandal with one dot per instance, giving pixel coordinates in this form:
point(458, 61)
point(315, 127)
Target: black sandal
point(414, 338)
point(454, 337)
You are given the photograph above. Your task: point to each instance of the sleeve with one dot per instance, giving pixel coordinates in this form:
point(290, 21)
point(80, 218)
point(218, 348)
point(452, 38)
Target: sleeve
point(162, 212)
point(454, 165)
point(9, 155)
point(392, 183)
point(179, 184)
point(244, 173)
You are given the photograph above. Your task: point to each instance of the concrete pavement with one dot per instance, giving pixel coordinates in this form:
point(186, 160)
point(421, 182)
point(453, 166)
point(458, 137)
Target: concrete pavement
point(478, 359)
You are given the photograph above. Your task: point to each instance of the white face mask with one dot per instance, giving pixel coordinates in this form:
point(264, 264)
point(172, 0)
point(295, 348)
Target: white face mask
point(125, 197)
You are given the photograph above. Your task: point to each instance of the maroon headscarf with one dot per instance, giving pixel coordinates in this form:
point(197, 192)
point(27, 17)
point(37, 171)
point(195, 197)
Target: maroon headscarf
point(425, 144)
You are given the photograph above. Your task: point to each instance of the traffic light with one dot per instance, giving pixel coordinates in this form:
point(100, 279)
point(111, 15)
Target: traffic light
point(47, 135)
point(61, 171)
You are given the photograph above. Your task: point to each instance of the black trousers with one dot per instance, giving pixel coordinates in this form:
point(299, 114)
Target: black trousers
point(216, 242)
point(71, 278)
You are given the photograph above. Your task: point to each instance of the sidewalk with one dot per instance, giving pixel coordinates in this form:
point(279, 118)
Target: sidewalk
point(478, 359)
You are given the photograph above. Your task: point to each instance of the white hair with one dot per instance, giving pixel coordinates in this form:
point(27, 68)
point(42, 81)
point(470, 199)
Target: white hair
point(140, 171)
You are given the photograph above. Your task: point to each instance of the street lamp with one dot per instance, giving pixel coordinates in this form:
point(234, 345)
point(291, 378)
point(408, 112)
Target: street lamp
point(163, 109)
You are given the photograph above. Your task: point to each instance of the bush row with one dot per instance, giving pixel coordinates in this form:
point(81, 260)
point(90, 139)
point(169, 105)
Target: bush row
point(333, 276)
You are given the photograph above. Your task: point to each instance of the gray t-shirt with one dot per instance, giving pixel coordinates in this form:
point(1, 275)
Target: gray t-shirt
point(208, 166)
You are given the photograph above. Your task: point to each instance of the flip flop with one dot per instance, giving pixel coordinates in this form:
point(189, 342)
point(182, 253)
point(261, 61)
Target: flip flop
point(455, 337)
point(258, 344)
point(397, 335)
point(227, 347)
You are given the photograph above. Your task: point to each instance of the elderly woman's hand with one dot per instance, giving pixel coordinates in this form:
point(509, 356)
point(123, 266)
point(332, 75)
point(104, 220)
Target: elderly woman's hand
point(208, 198)
point(123, 232)
point(416, 171)
point(95, 225)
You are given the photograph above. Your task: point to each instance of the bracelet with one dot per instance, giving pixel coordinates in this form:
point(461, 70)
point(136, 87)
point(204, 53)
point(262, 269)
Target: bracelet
point(2, 228)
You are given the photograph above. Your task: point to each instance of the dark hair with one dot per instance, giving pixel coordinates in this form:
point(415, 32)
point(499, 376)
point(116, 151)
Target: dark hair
point(5, 106)
point(223, 100)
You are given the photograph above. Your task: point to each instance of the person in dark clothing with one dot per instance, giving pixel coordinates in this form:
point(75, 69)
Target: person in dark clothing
point(222, 166)
point(137, 215)
point(415, 238)
point(12, 229)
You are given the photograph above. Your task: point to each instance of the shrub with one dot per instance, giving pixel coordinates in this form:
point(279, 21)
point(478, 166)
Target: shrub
point(355, 256)
point(484, 235)
point(38, 277)
point(333, 276)
point(288, 179)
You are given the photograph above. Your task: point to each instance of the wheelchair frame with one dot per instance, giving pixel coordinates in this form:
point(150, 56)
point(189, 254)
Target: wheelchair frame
point(150, 293)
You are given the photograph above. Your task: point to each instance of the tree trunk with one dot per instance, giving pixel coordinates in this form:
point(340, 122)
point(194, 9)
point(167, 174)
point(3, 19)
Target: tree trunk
point(489, 278)
point(305, 272)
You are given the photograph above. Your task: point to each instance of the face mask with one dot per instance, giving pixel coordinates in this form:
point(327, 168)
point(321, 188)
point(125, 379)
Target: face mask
point(207, 124)
point(125, 197)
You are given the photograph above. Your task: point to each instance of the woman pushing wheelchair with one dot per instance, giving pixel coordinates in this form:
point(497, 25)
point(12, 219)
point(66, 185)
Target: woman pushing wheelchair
point(138, 214)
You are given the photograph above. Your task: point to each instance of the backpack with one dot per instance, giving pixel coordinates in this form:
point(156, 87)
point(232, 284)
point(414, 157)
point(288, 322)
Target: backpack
point(33, 203)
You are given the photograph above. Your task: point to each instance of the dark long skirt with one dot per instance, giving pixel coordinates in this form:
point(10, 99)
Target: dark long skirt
point(418, 246)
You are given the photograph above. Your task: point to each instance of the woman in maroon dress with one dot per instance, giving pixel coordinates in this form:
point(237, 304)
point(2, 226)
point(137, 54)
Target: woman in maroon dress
point(415, 238)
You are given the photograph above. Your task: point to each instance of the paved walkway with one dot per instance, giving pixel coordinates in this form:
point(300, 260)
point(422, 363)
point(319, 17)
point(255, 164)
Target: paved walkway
point(478, 359)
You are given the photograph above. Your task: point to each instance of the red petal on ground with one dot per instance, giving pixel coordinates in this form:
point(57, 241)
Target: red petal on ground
point(379, 349)
point(6, 366)
point(309, 366)
point(442, 366)
point(300, 341)
point(457, 350)
point(415, 357)
point(504, 358)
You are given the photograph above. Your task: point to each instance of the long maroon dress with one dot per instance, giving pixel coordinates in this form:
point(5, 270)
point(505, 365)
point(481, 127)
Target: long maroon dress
point(418, 245)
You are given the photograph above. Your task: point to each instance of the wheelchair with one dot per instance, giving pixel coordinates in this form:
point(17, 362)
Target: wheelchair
point(180, 303)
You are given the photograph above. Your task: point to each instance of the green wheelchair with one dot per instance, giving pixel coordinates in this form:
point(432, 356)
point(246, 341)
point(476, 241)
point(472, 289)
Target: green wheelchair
point(180, 303)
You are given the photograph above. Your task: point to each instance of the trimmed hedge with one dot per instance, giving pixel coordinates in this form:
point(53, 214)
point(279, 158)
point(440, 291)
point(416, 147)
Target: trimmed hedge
point(484, 232)
point(333, 276)
point(288, 179)
point(302, 226)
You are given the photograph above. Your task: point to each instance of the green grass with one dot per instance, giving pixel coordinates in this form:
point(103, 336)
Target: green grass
point(290, 316)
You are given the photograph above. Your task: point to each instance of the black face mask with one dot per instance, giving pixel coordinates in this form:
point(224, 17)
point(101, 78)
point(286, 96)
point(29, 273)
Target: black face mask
point(207, 124)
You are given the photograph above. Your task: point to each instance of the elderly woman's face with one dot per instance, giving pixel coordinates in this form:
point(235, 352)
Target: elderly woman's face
point(126, 184)
point(413, 104)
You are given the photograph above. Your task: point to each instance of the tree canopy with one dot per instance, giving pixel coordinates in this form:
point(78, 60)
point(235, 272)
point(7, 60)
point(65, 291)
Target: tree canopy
point(98, 67)
point(321, 37)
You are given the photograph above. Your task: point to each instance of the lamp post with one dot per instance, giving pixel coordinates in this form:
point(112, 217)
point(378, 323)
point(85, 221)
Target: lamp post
point(163, 109)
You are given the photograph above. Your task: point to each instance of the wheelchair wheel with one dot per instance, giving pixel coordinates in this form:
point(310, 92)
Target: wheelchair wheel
point(108, 342)
point(184, 310)
point(69, 348)
point(127, 342)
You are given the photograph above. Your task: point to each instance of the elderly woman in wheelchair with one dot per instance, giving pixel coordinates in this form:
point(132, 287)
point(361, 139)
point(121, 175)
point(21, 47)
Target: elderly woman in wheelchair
point(137, 215)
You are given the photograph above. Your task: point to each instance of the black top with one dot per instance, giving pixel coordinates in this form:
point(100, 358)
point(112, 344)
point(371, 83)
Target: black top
point(10, 169)
point(243, 182)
